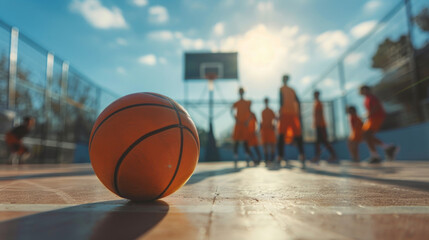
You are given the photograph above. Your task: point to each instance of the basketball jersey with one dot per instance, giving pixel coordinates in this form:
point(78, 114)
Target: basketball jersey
point(319, 119)
point(243, 110)
point(372, 101)
point(267, 118)
point(356, 125)
point(289, 104)
point(252, 124)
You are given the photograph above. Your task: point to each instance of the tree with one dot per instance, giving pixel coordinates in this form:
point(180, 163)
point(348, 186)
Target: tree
point(390, 53)
point(422, 19)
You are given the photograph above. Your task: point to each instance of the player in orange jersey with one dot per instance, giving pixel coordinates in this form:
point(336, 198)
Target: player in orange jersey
point(321, 133)
point(252, 138)
point(355, 133)
point(13, 138)
point(268, 132)
point(290, 122)
point(376, 116)
point(241, 112)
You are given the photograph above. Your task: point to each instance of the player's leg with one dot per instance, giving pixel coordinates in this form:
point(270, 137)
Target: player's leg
point(328, 146)
point(248, 152)
point(273, 151)
point(280, 147)
point(353, 149)
point(316, 157)
point(369, 139)
point(258, 154)
point(295, 124)
point(266, 154)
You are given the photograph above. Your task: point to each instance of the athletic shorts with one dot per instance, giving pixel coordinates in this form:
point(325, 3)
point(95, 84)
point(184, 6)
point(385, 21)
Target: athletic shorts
point(268, 136)
point(372, 124)
point(14, 144)
point(252, 140)
point(355, 137)
point(290, 124)
point(240, 132)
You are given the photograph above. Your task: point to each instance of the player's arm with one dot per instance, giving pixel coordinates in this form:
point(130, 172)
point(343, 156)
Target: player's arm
point(233, 111)
point(373, 109)
point(297, 100)
point(281, 98)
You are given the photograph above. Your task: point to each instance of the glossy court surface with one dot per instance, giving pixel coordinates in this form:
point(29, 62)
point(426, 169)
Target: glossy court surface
point(390, 201)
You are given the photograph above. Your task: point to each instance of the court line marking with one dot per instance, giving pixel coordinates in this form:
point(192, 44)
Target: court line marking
point(207, 208)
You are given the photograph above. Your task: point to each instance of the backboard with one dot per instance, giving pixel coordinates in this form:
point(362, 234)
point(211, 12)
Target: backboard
point(201, 66)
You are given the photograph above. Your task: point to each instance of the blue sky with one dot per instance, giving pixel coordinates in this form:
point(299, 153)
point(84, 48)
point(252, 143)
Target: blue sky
point(137, 45)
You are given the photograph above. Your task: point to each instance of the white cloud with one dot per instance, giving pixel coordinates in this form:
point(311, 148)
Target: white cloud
point(148, 59)
point(121, 41)
point(158, 14)
point(328, 82)
point(265, 6)
point(98, 15)
point(140, 3)
point(193, 44)
point(265, 54)
point(219, 29)
point(121, 70)
point(353, 58)
point(362, 29)
point(372, 5)
point(332, 43)
point(163, 35)
point(307, 79)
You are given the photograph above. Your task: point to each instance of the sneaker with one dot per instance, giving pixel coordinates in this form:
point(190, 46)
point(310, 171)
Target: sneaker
point(391, 152)
point(374, 160)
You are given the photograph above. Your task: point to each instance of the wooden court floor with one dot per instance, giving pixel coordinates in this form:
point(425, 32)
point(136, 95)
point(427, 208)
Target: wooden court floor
point(390, 201)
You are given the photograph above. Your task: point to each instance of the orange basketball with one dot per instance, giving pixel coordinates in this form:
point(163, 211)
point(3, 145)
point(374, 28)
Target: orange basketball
point(144, 146)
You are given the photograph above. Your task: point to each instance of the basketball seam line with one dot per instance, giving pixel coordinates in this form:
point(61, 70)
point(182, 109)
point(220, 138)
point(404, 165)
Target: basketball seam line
point(181, 150)
point(125, 108)
point(139, 140)
point(131, 147)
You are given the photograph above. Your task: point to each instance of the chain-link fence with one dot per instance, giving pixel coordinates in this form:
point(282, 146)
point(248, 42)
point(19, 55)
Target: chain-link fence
point(34, 82)
point(393, 59)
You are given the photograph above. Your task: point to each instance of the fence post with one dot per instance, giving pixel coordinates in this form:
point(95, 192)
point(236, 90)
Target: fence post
point(413, 61)
point(13, 57)
point(342, 79)
point(47, 105)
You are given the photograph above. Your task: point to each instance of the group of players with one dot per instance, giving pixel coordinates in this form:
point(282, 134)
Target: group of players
point(288, 126)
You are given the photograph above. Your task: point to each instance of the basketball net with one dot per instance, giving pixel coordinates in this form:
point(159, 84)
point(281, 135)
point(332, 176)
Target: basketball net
point(211, 77)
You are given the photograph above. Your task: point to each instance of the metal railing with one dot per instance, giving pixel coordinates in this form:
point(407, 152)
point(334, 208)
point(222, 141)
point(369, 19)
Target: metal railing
point(35, 82)
point(392, 58)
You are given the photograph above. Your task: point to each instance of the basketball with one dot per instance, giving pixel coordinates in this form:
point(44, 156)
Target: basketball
point(144, 146)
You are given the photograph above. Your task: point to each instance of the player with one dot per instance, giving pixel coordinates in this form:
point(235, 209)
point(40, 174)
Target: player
point(321, 133)
point(241, 112)
point(376, 116)
point(356, 133)
point(290, 123)
point(18, 152)
point(252, 140)
point(268, 132)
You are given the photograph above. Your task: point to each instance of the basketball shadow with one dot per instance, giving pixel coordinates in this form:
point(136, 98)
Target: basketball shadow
point(49, 175)
point(103, 220)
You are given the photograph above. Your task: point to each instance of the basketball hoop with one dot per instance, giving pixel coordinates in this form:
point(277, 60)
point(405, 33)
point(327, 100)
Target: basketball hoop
point(211, 76)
